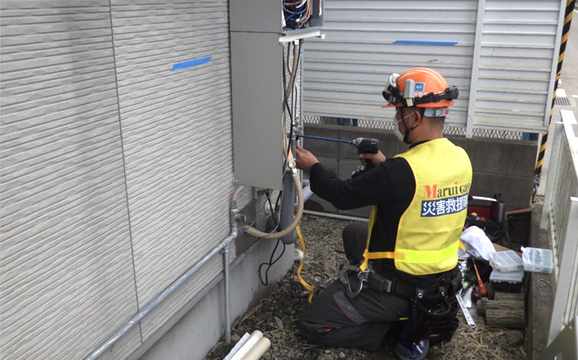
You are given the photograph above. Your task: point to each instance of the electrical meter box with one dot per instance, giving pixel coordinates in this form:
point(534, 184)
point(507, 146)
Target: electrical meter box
point(260, 32)
point(276, 16)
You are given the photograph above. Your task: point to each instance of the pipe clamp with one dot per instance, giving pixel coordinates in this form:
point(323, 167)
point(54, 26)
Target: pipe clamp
point(292, 167)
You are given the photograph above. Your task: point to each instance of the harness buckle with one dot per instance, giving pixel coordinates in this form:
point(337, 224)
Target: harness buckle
point(381, 283)
point(363, 276)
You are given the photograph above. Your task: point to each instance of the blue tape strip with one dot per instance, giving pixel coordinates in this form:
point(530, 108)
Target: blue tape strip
point(191, 63)
point(425, 42)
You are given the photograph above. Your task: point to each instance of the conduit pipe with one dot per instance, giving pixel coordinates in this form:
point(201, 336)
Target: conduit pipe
point(223, 248)
point(334, 216)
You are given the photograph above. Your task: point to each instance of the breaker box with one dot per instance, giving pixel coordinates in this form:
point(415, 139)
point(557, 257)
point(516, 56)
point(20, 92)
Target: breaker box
point(276, 16)
point(259, 32)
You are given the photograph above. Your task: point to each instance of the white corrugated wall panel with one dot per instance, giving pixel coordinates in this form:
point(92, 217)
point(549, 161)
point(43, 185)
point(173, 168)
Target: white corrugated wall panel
point(517, 49)
point(65, 260)
point(176, 131)
point(345, 73)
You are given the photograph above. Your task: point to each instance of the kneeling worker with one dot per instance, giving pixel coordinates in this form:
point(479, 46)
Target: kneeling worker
point(403, 267)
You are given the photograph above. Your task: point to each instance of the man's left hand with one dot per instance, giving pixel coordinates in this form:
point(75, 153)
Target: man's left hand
point(305, 159)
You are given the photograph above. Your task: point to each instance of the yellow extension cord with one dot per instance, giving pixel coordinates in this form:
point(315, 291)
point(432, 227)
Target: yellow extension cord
point(303, 282)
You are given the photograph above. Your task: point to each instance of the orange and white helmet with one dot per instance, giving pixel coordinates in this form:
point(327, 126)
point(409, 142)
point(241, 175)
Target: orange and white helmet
point(422, 88)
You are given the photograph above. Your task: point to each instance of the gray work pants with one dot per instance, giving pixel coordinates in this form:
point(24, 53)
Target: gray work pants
point(335, 319)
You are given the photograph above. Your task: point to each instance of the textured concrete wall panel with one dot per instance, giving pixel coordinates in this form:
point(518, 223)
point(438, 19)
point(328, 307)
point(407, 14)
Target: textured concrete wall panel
point(176, 131)
point(66, 262)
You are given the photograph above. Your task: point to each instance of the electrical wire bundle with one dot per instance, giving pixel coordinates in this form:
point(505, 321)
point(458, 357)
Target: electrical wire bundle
point(297, 13)
point(288, 84)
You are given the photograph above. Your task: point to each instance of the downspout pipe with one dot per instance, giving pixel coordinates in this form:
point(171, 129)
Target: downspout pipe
point(226, 281)
point(223, 247)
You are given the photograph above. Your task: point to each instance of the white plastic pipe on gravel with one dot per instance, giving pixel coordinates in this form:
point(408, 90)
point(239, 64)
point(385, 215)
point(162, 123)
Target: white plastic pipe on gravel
point(249, 344)
point(258, 350)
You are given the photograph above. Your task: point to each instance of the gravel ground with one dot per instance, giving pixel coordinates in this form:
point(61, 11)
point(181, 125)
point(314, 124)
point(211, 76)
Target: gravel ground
point(276, 316)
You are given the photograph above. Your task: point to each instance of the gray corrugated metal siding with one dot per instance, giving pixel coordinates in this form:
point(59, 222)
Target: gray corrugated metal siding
point(346, 72)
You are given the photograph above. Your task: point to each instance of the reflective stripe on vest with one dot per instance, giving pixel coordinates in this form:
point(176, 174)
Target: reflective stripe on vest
point(429, 230)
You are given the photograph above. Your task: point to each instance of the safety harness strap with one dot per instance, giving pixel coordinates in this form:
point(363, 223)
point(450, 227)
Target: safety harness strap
point(372, 216)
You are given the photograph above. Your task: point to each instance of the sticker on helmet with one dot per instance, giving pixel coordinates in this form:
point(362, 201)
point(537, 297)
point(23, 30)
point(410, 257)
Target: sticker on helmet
point(419, 89)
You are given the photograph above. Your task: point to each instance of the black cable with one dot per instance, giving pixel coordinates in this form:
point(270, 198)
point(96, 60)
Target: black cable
point(271, 263)
point(273, 213)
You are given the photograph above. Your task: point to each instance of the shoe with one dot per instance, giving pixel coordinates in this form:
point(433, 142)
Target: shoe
point(415, 352)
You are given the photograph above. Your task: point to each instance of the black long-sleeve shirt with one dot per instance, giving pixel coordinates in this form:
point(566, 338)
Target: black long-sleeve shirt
point(390, 186)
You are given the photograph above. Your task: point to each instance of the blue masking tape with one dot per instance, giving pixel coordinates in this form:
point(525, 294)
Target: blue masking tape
point(191, 63)
point(425, 42)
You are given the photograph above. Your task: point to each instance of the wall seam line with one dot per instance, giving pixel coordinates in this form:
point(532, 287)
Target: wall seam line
point(124, 167)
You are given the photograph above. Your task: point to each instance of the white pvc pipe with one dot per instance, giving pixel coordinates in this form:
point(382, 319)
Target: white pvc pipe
point(244, 350)
point(258, 350)
point(237, 346)
point(307, 193)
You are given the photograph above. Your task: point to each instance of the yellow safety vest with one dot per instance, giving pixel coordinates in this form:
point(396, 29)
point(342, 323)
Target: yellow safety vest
point(429, 230)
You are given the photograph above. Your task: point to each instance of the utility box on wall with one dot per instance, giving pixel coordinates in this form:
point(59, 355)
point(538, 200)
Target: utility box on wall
point(256, 77)
point(270, 16)
point(258, 31)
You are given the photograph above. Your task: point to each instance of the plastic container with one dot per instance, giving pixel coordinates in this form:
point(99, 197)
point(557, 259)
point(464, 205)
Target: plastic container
point(538, 260)
point(507, 281)
point(506, 261)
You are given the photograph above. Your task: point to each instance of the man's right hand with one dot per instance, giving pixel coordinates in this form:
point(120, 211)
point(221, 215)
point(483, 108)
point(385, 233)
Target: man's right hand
point(305, 159)
point(376, 159)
